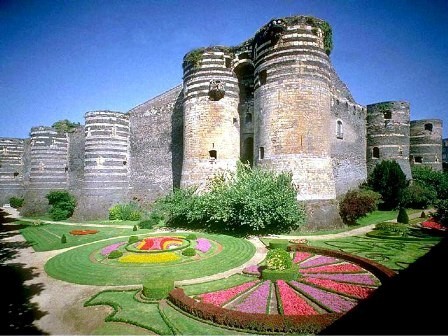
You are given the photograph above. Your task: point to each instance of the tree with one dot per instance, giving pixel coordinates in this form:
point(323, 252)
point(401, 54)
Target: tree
point(388, 179)
point(65, 126)
point(432, 179)
point(358, 203)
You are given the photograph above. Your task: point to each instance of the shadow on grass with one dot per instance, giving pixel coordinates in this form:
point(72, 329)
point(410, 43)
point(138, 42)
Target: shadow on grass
point(16, 309)
point(408, 304)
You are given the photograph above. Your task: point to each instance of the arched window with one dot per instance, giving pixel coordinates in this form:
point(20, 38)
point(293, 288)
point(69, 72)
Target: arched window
point(428, 127)
point(376, 153)
point(248, 118)
point(339, 132)
point(263, 76)
point(213, 154)
point(261, 153)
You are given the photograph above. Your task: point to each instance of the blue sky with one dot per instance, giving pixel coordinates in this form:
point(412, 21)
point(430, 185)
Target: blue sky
point(60, 59)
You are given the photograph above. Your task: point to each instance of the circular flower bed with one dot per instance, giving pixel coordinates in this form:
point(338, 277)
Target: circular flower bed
point(158, 244)
point(82, 232)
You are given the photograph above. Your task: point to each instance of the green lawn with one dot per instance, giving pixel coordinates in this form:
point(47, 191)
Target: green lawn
point(47, 237)
point(78, 265)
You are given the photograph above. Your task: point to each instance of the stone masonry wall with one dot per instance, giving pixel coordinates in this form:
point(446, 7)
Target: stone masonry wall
point(156, 146)
point(11, 169)
point(426, 143)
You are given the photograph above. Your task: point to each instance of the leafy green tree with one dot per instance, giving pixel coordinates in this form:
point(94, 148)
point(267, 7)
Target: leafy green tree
point(388, 179)
point(65, 126)
point(430, 178)
point(248, 201)
point(62, 204)
point(418, 195)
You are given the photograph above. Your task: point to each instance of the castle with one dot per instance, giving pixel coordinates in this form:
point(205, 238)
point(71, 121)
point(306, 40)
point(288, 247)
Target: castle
point(275, 101)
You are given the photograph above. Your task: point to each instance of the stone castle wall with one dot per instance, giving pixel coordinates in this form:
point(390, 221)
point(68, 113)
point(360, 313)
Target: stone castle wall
point(274, 101)
point(426, 143)
point(388, 131)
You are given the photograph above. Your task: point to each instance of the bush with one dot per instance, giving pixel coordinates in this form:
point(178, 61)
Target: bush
point(134, 228)
point(418, 196)
point(16, 202)
point(133, 239)
point(129, 211)
point(423, 215)
point(402, 216)
point(278, 260)
point(155, 218)
point(441, 214)
point(357, 204)
point(157, 288)
point(279, 244)
point(248, 201)
point(393, 228)
point(388, 179)
point(63, 239)
point(189, 252)
point(115, 254)
point(62, 204)
point(288, 274)
point(436, 180)
point(191, 236)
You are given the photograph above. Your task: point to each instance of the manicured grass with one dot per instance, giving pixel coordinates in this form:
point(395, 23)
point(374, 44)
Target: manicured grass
point(79, 265)
point(127, 309)
point(231, 281)
point(394, 254)
point(47, 237)
point(119, 328)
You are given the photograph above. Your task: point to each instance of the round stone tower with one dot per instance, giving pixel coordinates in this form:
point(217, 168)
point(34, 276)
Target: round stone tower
point(388, 134)
point(48, 167)
point(292, 103)
point(11, 168)
point(106, 162)
point(211, 119)
point(426, 143)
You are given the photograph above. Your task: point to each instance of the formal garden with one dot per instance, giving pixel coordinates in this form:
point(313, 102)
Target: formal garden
point(234, 260)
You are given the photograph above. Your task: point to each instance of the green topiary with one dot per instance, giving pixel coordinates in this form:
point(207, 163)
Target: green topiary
point(157, 288)
point(63, 239)
point(402, 216)
point(278, 260)
point(134, 228)
point(189, 252)
point(393, 228)
point(423, 215)
point(133, 239)
point(115, 254)
point(191, 236)
point(16, 202)
point(279, 244)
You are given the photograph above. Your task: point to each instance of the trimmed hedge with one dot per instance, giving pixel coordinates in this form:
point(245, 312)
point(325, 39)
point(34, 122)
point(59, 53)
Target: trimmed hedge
point(189, 252)
point(133, 239)
point(115, 254)
point(278, 245)
point(287, 274)
point(157, 289)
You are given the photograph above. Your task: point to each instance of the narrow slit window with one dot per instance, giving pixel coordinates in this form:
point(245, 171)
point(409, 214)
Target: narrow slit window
point(263, 75)
point(376, 153)
point(261, 153)
point(339, 133)
point(248, 118)
point(228, 62)
point(213, 154)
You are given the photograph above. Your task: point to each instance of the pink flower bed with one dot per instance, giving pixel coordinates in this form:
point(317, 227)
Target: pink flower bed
point(256, 301)
point(108, 249)
point(361, 279)
point(340, 268)
point(333, 301)
point(203, 245)
point(301, 256)
point(292, 303)
point(353, 290)
point(432, 224)
point(218, 298)
point(319, 260)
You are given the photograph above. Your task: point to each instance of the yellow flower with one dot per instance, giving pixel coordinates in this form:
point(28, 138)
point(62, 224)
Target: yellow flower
point(149, 257)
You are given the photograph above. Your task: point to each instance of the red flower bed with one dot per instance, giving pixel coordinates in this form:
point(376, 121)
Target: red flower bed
point(82, 232)
point(432, 224)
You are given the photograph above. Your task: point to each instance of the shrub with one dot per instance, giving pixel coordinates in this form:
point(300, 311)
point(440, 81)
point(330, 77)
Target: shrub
point(279, 244)
point(357, 204)
point(62, 204)
point(423, 215)
point(441, 214)
point(418, 196)
point(65, 126)
point(288, 274)
point(63, 239)
point(129, 211)
point(436, 180)
point(388, 179)
point(157, 288)
point(115, 254)
point(134, 228)
point(248, 201)
point(16, 202)
point(191, 236)
point(394, 228)
point(402, 216)
point(278, 260)
point(133, 239)
point(155, 218)
point(189, 252)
